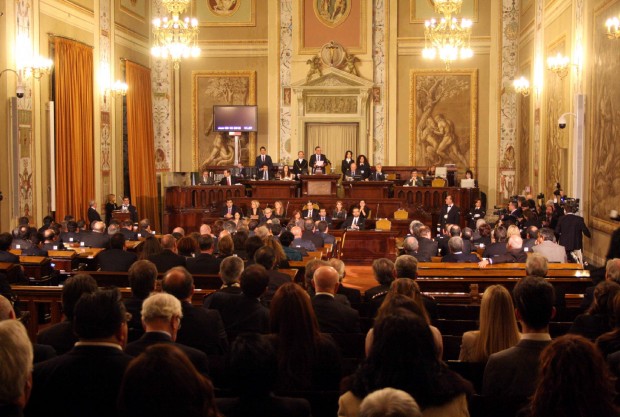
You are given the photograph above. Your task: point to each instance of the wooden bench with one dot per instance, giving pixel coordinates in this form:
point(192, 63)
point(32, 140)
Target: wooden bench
point(511, 266)
point(51, 296)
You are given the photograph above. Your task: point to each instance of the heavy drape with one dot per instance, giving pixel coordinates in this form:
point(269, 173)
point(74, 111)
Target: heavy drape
point(75, 164)
point(141, 144)
point(333, 138)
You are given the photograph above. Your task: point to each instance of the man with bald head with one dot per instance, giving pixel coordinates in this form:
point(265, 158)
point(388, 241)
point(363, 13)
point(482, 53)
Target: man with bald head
point(168, 258)
point(300, 242)
point(333, 316)
point(200, 328)
point(514, 253)
point(97, 237)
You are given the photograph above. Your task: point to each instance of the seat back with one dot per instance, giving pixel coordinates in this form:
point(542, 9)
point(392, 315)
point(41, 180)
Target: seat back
point(383, 225)
point(401, 214)
point(438, 182)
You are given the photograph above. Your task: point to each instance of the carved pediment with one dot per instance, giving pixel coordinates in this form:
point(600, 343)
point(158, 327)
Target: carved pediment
point(334, 77)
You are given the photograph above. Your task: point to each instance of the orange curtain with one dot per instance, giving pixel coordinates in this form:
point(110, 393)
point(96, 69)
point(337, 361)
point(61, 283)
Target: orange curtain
point(141, 143)
point(75, 161)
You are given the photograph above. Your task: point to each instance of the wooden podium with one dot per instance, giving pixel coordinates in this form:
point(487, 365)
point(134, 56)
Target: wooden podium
point(272, 189)
point(121, 216)
point(319, 185)
point(367, 189)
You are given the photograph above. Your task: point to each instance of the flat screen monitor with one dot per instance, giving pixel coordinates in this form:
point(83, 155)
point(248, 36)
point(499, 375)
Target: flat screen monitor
point(468, 183)
point(441, 172)
point(235, 118)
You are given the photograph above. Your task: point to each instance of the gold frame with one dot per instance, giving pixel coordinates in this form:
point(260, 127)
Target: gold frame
point(250, 23)
point(251, 100)
point(412, 9)
point(307, 50)
point(332, 25)
point(602, 224)
point(473, 113)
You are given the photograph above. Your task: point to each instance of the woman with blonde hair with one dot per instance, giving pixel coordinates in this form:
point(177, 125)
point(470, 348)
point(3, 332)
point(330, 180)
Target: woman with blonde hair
point(512, 230)
point(255, 211)
point(278, 209)
point(498, 327)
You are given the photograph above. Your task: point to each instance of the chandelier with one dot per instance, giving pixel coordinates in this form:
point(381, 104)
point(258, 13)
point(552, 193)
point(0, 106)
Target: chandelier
point(447, 38)
point(175, 38)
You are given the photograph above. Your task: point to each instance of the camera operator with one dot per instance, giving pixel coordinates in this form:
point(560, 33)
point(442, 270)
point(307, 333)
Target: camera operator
point(570, 229)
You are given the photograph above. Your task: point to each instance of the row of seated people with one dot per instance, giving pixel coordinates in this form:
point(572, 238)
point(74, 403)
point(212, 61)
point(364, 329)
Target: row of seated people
point(498, 245)
point(403, 350)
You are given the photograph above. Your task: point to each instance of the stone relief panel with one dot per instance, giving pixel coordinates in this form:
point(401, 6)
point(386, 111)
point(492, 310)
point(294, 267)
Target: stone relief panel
point(286, 48)
point(379, 52)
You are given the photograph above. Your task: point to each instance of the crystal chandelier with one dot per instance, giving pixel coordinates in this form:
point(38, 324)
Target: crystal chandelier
point(175, 38)
point(447, 38)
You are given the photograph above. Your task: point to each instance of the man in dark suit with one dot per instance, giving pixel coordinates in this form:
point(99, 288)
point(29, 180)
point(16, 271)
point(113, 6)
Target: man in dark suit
point(22, 238)
point(253, 374)
point(614, 245)
point(161, 315)
point(87, 379)
point(457, 254)
point(318, 161)
point(229, 210)
point(325, 217)
point(427, 247)
point(353, 294)
point(93, 214)
point(352, 173)
point(5, 244)
point(300, 165)
point(200, 328)
point(299, 243)
point(310, 212)
point(450, 213)
point(116, 258)
point(228, 179)
point(264, 173)
point(309, 234)
point(60, 335)
point(514, 253)
point(531, 236)
point(378, 175)
point(142, 277)
point(414, 180)
point(266, 257)
point(72, 235)
point(168, 258)
point(323, 231)
point(263, 159)
point(127, 230)
point(406, 266)
point(510, 375)
point(498, 247)
point(244, 312)
point(230, 270)
point(354, 222)
point(127, 207)
point(570, 231)
point(411, 246)
point(205, 262)
point(333, 316)
point(97, 238)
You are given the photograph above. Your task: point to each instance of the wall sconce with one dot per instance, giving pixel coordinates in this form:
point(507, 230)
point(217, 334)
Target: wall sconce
point(119, 88)
point(37, 66)
point(613, 28)
point(559, 64)
point(522, 86)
